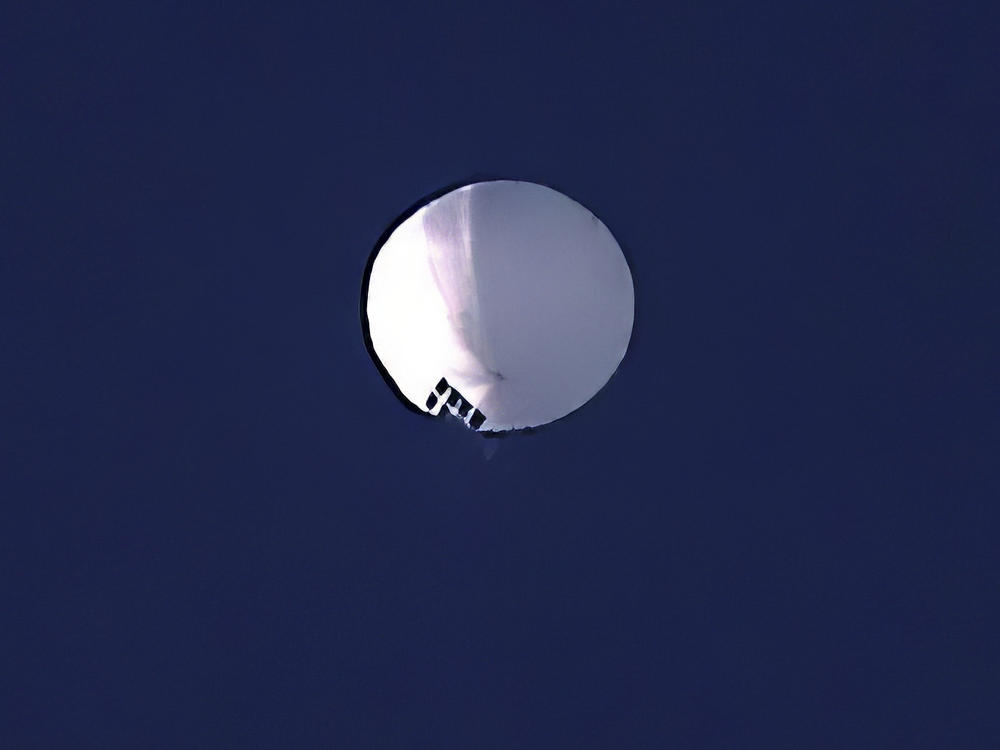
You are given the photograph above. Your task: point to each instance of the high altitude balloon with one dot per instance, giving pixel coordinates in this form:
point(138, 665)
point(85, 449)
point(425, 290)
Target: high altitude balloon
point(507, 303)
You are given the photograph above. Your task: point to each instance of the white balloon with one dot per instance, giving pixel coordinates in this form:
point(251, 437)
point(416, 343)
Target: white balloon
point(505, 302)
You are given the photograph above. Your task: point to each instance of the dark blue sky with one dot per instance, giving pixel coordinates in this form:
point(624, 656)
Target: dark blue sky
point(776, 528)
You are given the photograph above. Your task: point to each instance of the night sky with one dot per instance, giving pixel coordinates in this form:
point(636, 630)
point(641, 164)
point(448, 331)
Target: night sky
point(776, 527)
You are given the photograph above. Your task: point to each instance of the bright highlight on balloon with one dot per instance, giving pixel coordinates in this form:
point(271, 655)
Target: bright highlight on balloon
point(506, 303)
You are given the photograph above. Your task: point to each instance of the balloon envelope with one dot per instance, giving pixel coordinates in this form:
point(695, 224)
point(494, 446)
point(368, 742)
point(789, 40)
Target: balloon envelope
point(506, 302)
